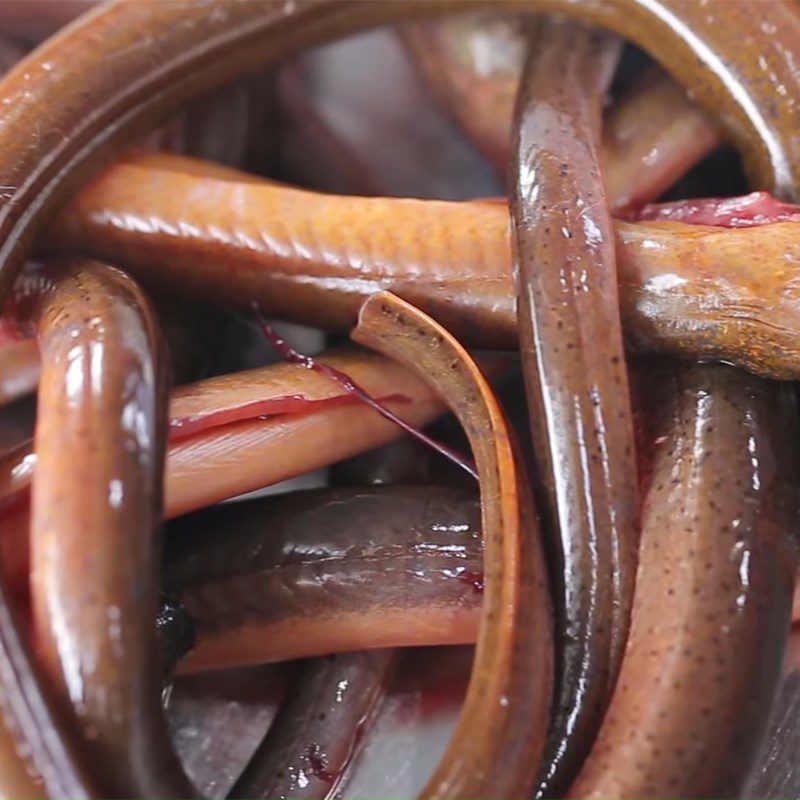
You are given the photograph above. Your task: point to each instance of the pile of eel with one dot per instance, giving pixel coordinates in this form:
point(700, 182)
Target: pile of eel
point(399, 398)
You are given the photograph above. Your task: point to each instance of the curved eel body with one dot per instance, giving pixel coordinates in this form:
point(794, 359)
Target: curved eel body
point(101, 395)
point(124, 66)
point(311, 741)
point(107, 78)
point(472, 63)
point(575, 373)
point(713, 597)
point(497, 744)
point(296, 575)
point(243, 431)
point(192, 228)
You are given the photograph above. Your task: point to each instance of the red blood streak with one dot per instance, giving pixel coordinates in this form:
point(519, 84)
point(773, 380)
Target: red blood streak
point(183, 427)
point(291, 355)
point(317, 765)
point(758, 208)
point(473, 579)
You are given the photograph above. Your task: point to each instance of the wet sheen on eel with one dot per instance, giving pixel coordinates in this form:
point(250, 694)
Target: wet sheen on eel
point(575, 372)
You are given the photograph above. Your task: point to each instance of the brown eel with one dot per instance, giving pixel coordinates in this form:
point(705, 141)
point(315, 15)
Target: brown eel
point(191, 228)
point(575, 373)
point(500, 735)
point(103, 80)
point(714, 590)
point(323, 570)
point(472, 62)
point(320, 723)
point(124, 66)
point(94, 519)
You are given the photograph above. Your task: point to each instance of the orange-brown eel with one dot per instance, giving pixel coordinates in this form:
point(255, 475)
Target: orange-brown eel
point(500, 735)
point(713, 597)
point(222, 236)
point(225, 461)
point(124, 66)
point(243, 431)
point(122, 86)
point(94, 520)
point(575, 373)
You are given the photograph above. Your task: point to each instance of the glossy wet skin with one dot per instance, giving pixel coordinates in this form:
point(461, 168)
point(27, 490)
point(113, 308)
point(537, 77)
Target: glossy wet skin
point(713, 597)
point(102, 383)
point(318, 571)
point(497, 744)
point(575, 373)
point(190, 227)
point(41, 168)
point(190, 49)
point(472, 63)
point(312, 740)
